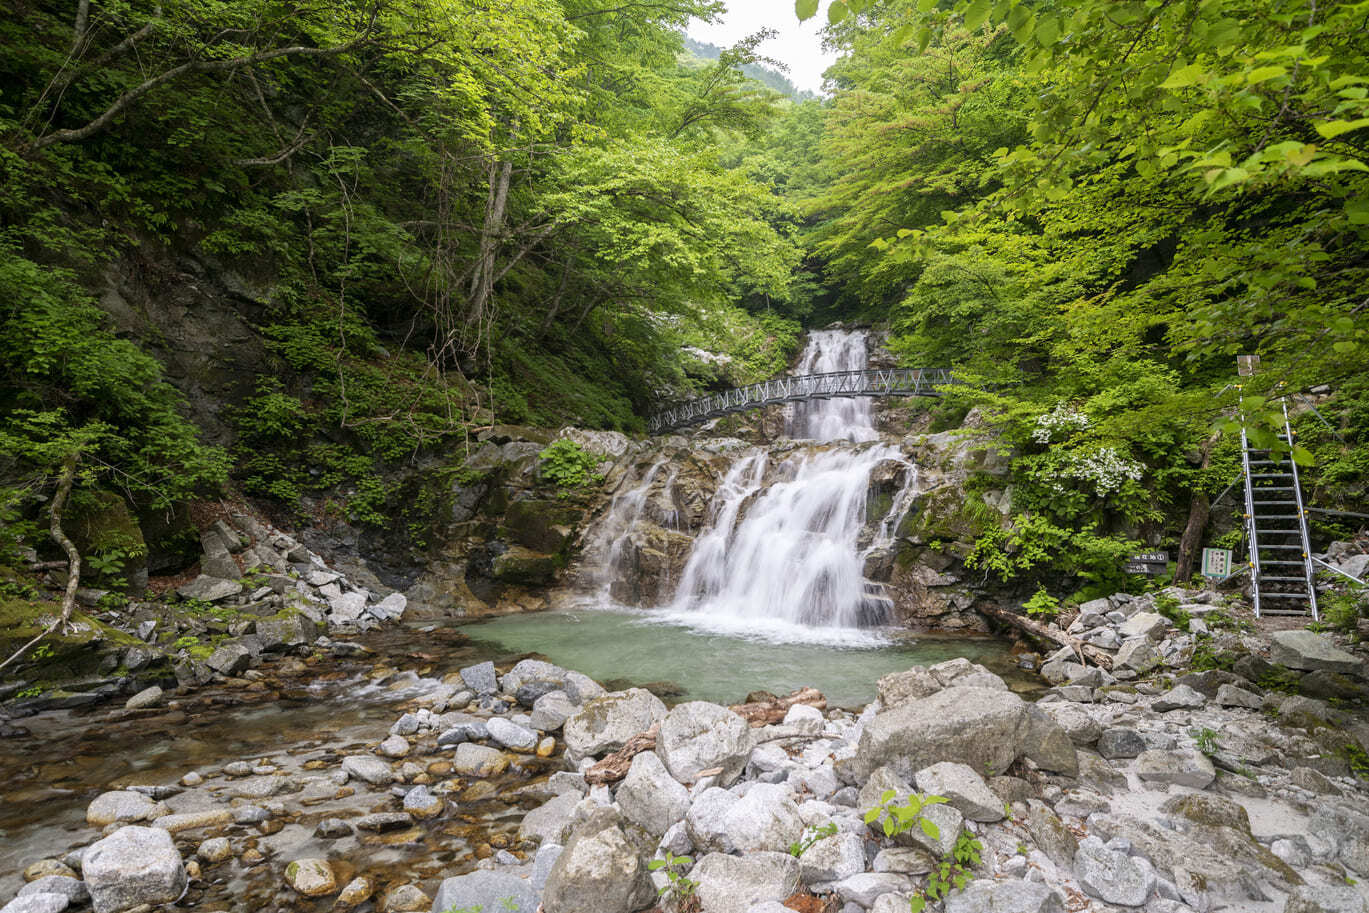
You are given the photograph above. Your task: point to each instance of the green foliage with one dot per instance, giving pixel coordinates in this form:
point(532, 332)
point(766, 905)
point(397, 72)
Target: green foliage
point(811, 836)
point(898, 817)
point(1205, 739)
point(567, 465)
point(1168, 606)
point(954, 871)
point(1357, 758)
point(678, 887)
point(1042, 604)
point(1341, 611)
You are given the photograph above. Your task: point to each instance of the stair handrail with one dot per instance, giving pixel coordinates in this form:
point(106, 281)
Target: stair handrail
point(1251, 538)
point(1308, 572)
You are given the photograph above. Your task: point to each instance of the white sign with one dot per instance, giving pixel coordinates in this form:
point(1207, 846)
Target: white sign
point(1216, 562)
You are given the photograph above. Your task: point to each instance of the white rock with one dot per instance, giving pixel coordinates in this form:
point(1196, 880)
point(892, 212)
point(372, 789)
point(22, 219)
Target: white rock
point(134, 865)
point(650, 797)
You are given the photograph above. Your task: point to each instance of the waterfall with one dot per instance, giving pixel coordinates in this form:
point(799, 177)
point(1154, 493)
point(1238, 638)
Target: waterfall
point(626, 508)
point(786, 551)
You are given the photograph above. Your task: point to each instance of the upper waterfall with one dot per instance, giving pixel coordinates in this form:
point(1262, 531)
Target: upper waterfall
point(841, 418)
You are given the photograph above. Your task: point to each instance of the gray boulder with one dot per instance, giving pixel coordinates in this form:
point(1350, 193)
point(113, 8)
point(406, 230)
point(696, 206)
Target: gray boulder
point(705, 820)
point(698, 736)
point(1119, 742)
point(122, 806)
point(733, 884)
point(486, 890)
point(550, 822)
point(1112, 876)
point(73, 889)
point(900, 687)
point(1136, 655)
point(511, 735)
point(1325, 899)
point(1308, 650)
point(833, 858)
point(531, 670)
point(37, 903)
point(551, 710)
point(605, 723)
point(980, 727)
point(1232, 696)
point(481, 678)
point(133, 865)
point(965, 789)
point(765, 819)
point(1181, 697)
point(650, 797)
point(1144, 624)
point(1082, 728)
point(480, 761)
point(210, 589)
point(865, 888)
point(1045, 744)
point(984, 895)
point(372, 770)
point(599, 871)
point(1179, 766)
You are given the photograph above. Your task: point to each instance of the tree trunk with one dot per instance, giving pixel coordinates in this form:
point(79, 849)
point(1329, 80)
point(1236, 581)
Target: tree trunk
point(759, 713)
point(1192, 539)
point(1100, 657)
point(496, 203)
point(615, 766)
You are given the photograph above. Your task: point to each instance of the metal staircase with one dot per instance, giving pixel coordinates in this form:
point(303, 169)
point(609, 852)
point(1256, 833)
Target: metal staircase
point(1281, 573)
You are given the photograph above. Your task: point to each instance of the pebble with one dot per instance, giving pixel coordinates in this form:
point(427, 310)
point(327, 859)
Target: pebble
point(358, 891)
point(45, 867)
point(333, 829)
point(215, 850)
point(311, 877)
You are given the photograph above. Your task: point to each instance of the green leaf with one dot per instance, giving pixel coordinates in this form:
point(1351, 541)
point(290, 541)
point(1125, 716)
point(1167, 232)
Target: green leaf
point(1048, 30)
point(926, 6)
point(655, 864)
point(1302, 456)
point(805, 9)
point(836, 11)
point(1185, 76)
point(1264, 74)
point(1334, 128)
point(924, 38)
point(929, 828)
point(976, 13)
point(1357, 211)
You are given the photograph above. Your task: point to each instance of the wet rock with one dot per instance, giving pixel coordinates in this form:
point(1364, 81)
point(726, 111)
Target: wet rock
point(733, 884)
point(599, 871)
point(698, 736)
point(404, 898)
point(833, 858)
point(984, 895)
point(396, 746)
point(46, 867)
point(551, 710)
point(148, 697)
point(311, 877)
point(122, 806)
point(380, 822)
point(189, 821)
point(765, 819)
point(357, 892)
point(1325, 899)
point(606, 723)
point(650, 797)
point(37, 903)
point(511, 735)
point(480, 761)
point(550, 822)
point(333, 829)
point(134, 865)
point(486, 890)
point(215, 850)
point(1310, 651)
point(1120, 743)
point(209, 589)
point(371, 769)
point(1181, 767)
point(420, 803)
point(250, 814)
point(470, 731)
point(1112, 876)
point(965, 789)
point(1181, 697)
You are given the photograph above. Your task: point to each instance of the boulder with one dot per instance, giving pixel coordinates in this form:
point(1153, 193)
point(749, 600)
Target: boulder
point(1136, 655)
point(210, 589)
point(704, 822)
point(511, 735)
point(480, 678)
point(551, 710)
point(525, 567)
point(286, 630)
point(550, 822)
point(1181, 767)
point(486, 890)
point(1119, 742)
point(867, 887)
point(132, 866)
point(391, 608)
point(1082, 728)
point(980, 727)
point(1310, 651)
point(605, 723)
point(650, 797)
point(698, 736)
point(1144, 624)
point(372, 770)
point(1232, 696)
point(733, 884)
point(472, 760)
point(1181, 697)
point(900, 687)
point(984, 895)
point(122, 806)
point(765, 819)
point(1047, 745)
point(833, 858)
point(72, 889)
point(1112, 876)
point(1331, 898)
point(148, 697)
point(347, 607)
point(599, 871)
point(421, 803)
point(965, 789)
point(37, 903)
point(529, 671)
point(311, 877)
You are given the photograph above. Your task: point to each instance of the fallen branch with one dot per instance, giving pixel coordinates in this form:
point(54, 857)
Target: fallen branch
point(615, 766)
point(1100, 657)
point(761, 713)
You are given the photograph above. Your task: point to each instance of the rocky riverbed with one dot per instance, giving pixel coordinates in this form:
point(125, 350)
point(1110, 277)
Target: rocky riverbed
point(511, 787)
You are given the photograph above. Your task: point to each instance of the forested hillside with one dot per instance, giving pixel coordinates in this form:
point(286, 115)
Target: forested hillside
point(414, 220)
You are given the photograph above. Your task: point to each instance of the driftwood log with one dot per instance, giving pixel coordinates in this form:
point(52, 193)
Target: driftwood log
point(761, 713)
point(615, 766)
point(1100, 657)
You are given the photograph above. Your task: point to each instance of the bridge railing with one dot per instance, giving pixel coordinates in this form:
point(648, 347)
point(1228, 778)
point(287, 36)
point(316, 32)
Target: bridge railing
point(894, 382)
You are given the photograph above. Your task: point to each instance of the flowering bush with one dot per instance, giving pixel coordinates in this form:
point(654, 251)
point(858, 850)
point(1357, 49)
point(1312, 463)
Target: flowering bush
point(1064, 418)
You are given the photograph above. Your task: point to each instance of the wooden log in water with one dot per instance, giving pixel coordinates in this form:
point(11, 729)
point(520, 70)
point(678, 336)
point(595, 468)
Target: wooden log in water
point(761, 713)
point(615, 766)
point(1100, 657)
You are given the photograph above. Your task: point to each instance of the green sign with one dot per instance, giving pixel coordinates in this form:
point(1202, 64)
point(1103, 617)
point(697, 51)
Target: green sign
point(1216, 562)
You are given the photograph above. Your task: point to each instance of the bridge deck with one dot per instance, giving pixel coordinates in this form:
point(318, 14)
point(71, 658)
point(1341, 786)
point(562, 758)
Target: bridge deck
point(896, 382)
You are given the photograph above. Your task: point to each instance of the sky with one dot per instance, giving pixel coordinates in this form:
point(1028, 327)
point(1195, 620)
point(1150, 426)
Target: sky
point(797, 44)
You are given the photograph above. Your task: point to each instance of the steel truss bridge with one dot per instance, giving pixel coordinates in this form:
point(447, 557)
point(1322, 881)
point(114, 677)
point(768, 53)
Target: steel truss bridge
point(897, 382)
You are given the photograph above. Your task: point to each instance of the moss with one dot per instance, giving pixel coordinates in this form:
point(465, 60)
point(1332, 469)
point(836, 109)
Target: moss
point(947, 513)
point(59, 655)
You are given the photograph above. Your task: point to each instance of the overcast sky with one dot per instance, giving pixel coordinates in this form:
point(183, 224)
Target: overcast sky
point(797, 44)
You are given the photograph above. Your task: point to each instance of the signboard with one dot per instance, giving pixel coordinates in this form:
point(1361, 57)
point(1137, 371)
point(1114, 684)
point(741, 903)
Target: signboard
point(1216, 562)
point(1147, 563)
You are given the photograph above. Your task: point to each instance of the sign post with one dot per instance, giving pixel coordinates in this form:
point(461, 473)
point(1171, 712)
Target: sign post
point(1152, 563)
point(1216, 562)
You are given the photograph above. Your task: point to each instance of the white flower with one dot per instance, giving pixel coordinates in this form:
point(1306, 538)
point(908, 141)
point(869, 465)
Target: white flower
point(1064, 418)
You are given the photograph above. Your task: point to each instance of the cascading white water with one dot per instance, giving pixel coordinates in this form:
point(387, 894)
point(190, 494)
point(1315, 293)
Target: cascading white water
point(790, 552)
point(613, 534)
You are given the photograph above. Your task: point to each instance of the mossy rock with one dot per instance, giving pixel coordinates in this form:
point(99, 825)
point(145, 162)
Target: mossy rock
point(541, 525)
point(59, 655)
point(523, 566)
point(101, 524)
point(947, 513)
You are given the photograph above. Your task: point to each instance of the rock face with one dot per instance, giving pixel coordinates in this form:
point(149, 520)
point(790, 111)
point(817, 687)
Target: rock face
point(1310, 651)
point(698, 736)
point(650, 797)
point(733, 884)
point(134, 865)
point(606, 723)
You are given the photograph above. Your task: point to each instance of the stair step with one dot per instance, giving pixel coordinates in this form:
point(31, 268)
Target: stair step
point(1282, 548)
point(1264, 595)
point(1257, 489)
point(1271, 475)
point(1273, 503)
point(1266, 578)
point(1270, 561)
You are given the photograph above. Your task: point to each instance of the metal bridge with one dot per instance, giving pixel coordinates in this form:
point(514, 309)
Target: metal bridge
point(897, 382)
